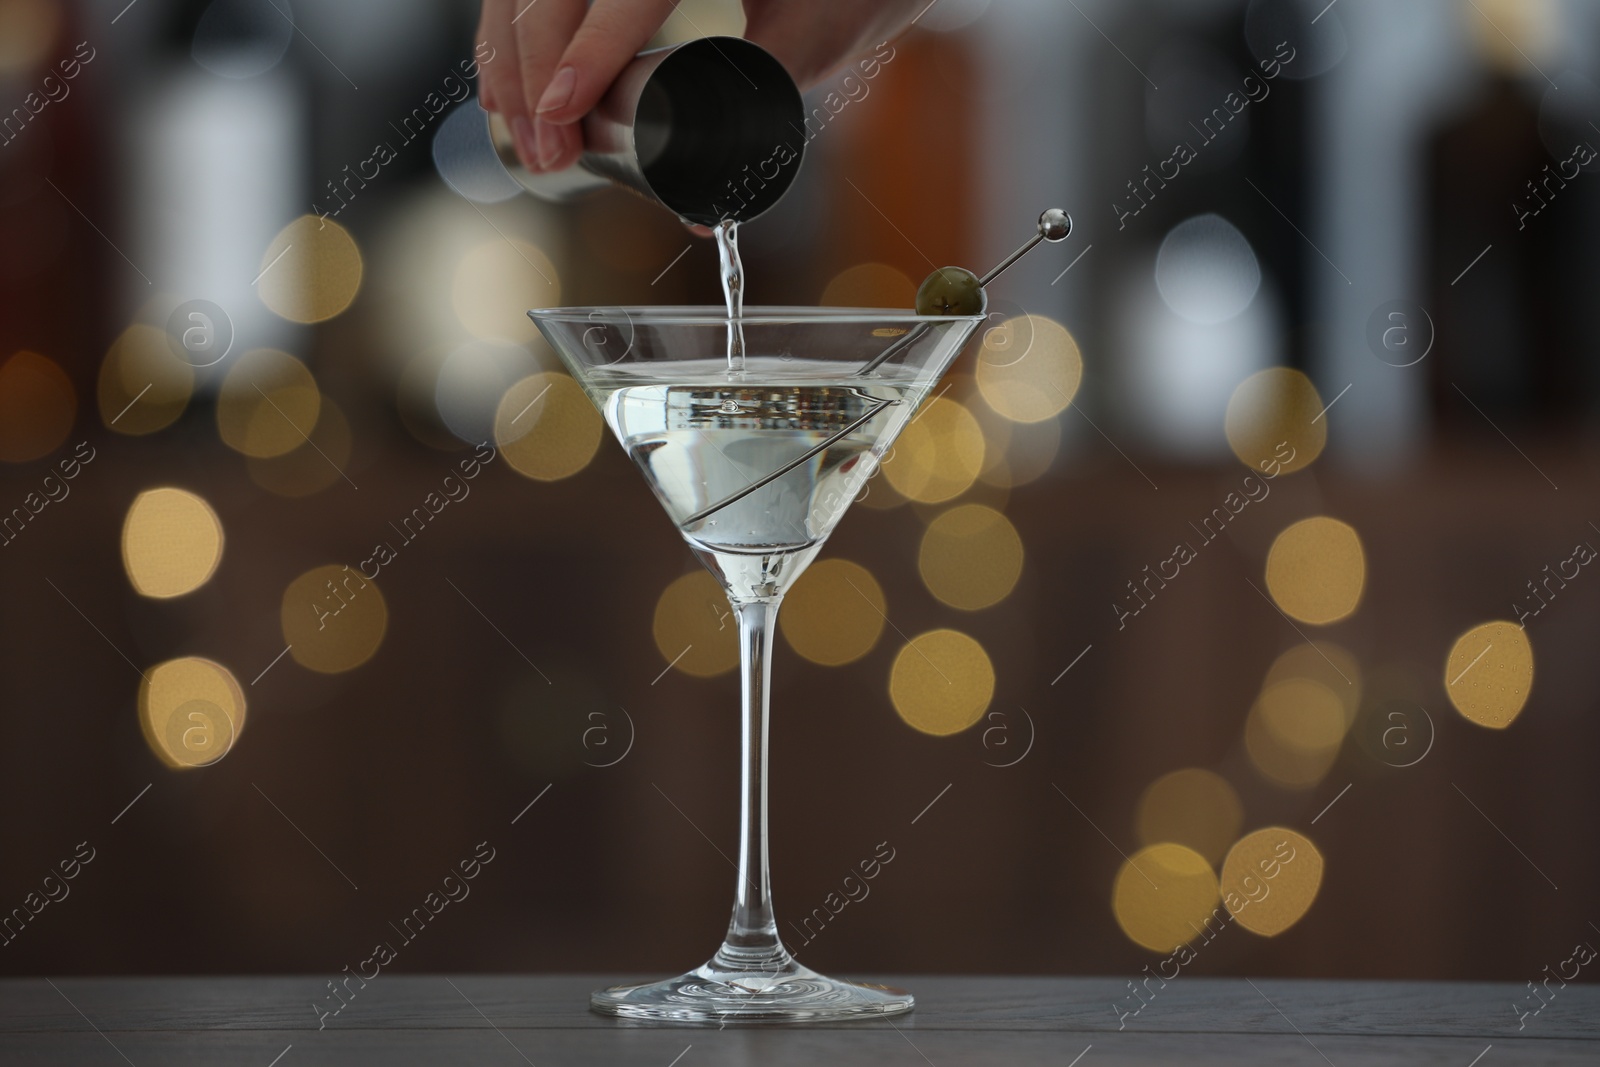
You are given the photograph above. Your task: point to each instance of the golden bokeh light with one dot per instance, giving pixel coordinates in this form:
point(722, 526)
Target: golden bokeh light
point(1324, 662)
point(996, 440)
point(497, 282)
point(941, 682)
point(333, 619)
point(315, 465)
point(1193, 807)
point(143, 386)
point(1316, 570)
point(1029, 368)
point(311, 271)
point(1018, 453)
point(870, 285)
point(27, 33)
point(1515, 35)
point(269, 404)
point(834, 614)
point(1294, 732)
point(1163, 895)
point(1270, 880)
point(171, 542)
point(938, 456)
point(191, 711)
point(546, 427)
point(971, 557)
point(1272, 421)
point(693, 19)
point(1489, 673)
point(1302, 714)
point(695, 628)
point(37, 406)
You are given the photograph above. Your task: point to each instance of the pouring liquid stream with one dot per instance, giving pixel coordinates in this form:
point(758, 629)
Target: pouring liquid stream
point(732, 272)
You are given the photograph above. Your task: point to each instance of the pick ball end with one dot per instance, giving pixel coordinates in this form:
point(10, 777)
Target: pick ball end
point(1055, 225)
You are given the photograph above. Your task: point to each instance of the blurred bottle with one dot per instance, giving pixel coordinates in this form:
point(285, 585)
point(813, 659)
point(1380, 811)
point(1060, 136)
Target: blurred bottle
point(212, 135)
point(1514, 331)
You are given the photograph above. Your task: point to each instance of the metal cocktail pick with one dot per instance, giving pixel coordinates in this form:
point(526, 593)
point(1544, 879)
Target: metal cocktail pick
point(1054, 225)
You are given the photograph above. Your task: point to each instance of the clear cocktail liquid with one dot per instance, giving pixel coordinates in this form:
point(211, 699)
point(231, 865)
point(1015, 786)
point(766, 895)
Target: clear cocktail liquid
point(756, 454)
point(765, 461)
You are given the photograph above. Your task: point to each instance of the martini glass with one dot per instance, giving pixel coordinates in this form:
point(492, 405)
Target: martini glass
point(755, 457)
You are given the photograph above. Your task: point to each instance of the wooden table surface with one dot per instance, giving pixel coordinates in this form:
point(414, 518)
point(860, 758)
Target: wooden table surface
point(401, 1020)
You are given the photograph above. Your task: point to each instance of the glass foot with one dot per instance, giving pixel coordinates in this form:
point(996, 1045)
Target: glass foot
point(710, 994)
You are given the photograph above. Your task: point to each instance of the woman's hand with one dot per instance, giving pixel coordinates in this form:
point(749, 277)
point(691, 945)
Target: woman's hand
point(554, 59)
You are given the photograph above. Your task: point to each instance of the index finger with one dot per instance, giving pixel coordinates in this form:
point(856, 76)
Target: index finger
point(611, 35)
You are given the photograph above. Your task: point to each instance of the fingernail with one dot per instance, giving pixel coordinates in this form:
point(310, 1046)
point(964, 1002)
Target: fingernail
point(559, 91)
point(551, 143)
point(527, 143)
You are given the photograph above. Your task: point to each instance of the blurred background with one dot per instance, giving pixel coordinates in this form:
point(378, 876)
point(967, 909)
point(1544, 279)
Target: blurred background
point(1256, 517)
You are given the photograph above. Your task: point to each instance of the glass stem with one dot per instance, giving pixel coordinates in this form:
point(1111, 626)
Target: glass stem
point(752, 944)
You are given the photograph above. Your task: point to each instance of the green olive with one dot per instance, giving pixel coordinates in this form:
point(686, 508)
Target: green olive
point(951, 291)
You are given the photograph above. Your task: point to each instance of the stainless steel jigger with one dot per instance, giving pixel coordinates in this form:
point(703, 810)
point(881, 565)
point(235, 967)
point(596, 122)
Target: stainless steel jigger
point(711, 129)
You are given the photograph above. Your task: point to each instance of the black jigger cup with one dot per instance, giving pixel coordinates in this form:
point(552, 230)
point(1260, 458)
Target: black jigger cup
point(711, 129)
